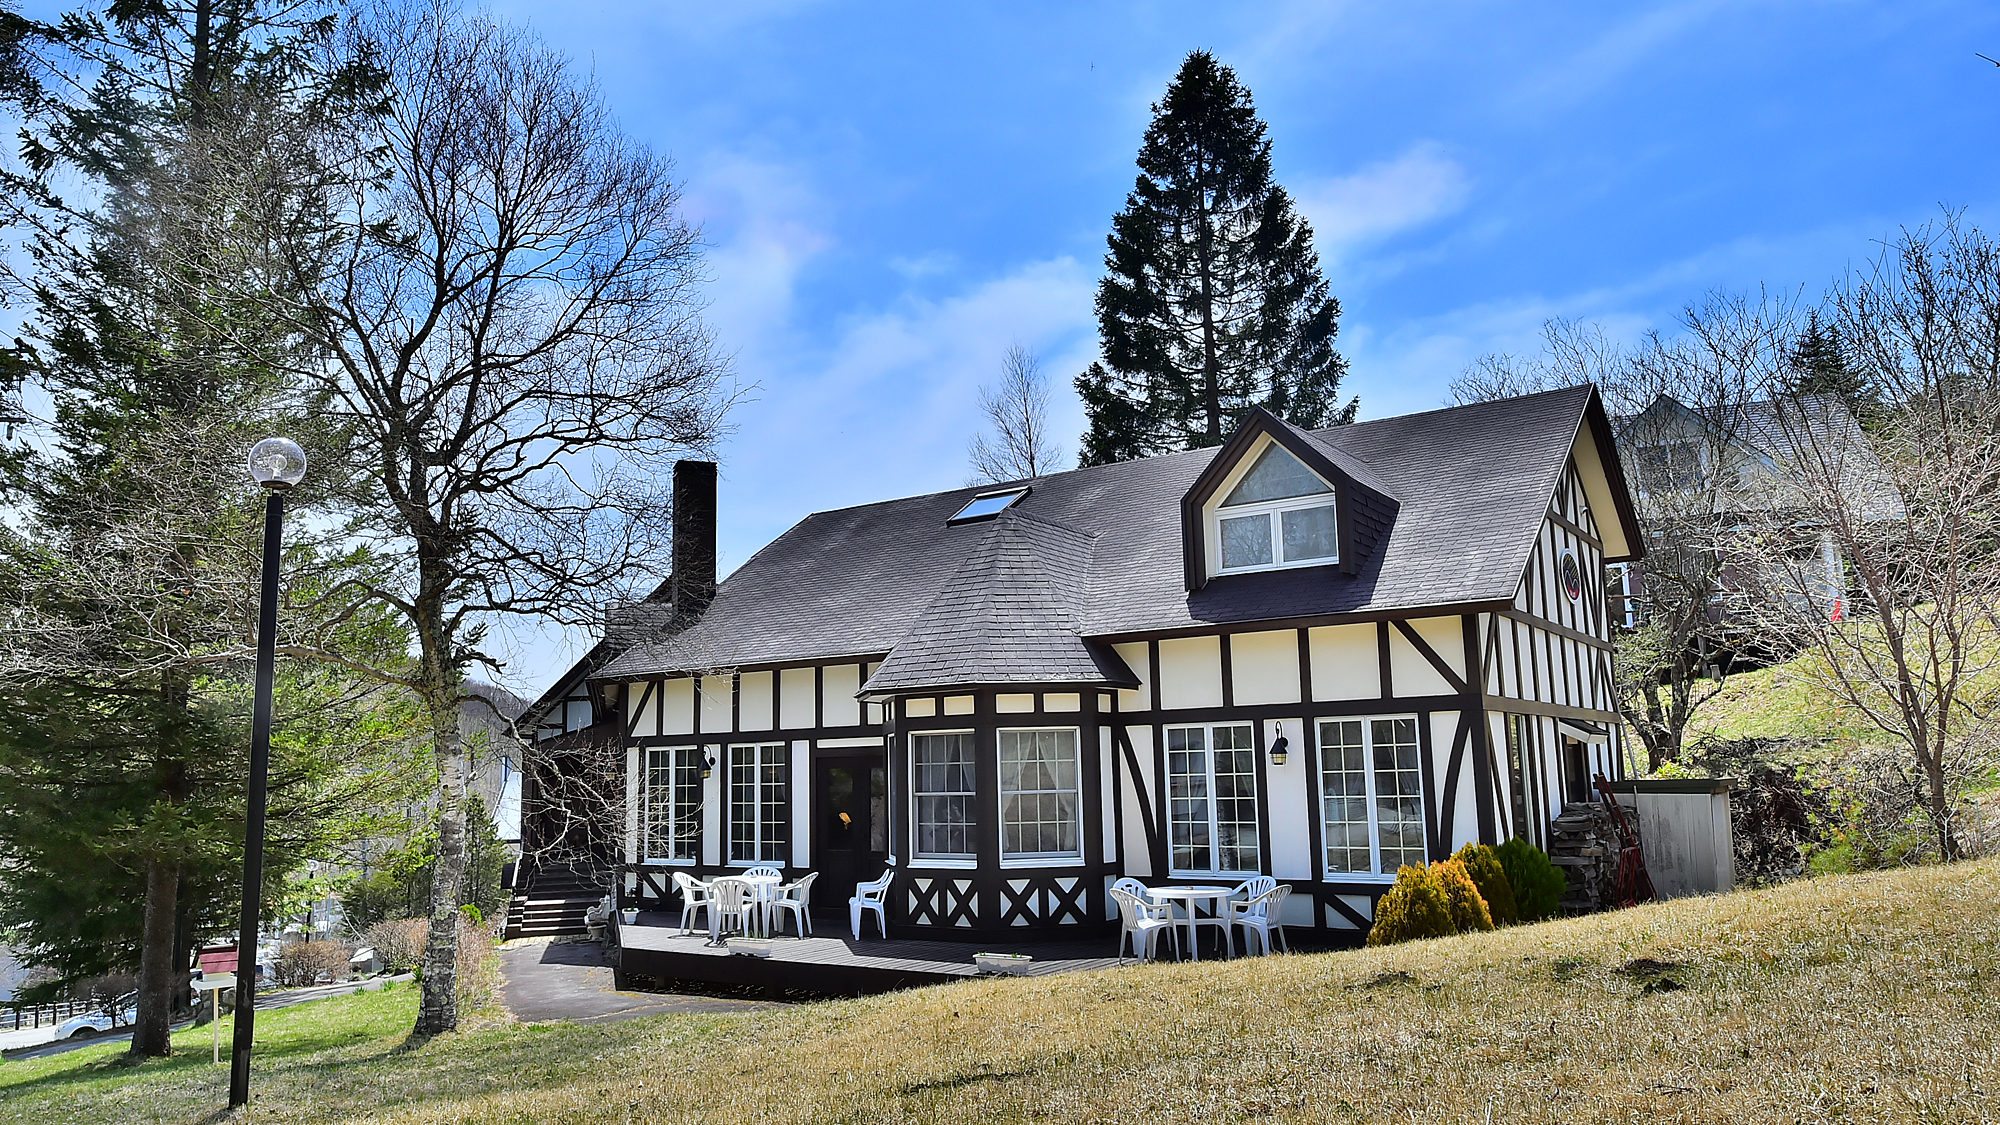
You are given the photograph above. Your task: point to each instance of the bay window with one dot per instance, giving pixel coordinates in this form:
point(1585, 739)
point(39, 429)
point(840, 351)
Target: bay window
point(943, 773)
point(1038, 795)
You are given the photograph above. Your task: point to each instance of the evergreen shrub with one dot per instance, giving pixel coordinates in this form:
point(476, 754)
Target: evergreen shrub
point(1468, 909)
point(1538, 886)
point(1416, 907)
point(1491, 879)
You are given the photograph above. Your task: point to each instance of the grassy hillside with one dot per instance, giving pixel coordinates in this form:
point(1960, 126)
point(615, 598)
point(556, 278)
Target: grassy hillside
point(1865, 998)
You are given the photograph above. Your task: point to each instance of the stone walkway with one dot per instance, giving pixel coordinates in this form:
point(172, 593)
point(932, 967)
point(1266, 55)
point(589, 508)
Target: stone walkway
point(568, 980)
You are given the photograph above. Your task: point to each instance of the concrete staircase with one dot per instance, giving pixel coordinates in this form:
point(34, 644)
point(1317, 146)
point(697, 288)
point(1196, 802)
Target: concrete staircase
point(554, 902)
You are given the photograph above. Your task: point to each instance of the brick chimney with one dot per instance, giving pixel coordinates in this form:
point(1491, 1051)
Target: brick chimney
point(694, 536)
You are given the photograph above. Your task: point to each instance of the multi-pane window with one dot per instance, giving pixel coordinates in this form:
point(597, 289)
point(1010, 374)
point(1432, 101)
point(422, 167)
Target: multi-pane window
point(673, 804)
point(1038, 795)
point(942, 767)
point(1372, 795)
point(1280, 514)
point(759, 805)
point(1212, 797)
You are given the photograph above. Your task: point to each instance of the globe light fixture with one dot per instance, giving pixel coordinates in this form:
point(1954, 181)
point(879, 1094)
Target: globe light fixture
point(277, 463)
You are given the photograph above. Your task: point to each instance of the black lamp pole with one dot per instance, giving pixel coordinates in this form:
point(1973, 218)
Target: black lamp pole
point(277, 464)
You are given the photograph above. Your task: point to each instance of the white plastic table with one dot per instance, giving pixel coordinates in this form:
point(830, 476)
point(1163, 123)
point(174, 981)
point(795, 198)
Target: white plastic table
point(1187, 897)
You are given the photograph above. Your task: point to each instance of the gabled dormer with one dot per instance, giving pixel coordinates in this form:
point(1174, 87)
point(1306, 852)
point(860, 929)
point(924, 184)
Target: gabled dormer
point(1274, 498)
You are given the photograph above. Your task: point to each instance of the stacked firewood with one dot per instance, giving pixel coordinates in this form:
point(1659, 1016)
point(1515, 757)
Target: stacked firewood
point(1583, 844)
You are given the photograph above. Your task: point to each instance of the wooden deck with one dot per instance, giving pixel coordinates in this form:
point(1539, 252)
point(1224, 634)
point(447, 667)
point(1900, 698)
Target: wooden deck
point(832, 963)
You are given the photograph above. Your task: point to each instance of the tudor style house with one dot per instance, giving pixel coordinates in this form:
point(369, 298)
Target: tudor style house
point(1317, 655)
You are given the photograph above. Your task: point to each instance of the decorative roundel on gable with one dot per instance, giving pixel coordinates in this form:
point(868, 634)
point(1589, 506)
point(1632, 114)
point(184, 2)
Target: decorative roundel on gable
point(1572, 576)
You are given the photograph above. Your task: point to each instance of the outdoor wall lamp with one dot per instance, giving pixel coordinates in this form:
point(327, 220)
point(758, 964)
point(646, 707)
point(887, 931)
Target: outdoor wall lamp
point(1279, 744)
point(707, 766)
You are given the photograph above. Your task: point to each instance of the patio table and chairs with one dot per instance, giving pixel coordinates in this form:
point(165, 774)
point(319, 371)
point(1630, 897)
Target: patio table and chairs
point(1256, 905)
point(1186, 901)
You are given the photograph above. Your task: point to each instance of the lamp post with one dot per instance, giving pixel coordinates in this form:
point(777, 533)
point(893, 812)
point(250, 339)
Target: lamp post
point(278, 464)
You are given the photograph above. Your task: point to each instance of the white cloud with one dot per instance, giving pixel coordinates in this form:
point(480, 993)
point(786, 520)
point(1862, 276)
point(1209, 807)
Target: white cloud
point(1421, 184)
point(887, 407)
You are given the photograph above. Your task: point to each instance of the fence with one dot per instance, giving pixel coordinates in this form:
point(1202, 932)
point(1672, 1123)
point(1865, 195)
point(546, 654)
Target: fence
point(19, 1016)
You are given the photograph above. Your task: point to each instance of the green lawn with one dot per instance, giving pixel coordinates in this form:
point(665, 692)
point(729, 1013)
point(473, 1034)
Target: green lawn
point(1855, 998)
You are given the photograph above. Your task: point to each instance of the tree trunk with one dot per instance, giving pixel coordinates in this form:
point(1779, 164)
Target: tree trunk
point(438, 1011)
point(151, 1034)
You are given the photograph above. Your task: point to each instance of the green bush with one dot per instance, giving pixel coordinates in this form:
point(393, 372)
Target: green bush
point(1538, 886)
point(1491, 879)
point(1468, 909)
point(1416, 907)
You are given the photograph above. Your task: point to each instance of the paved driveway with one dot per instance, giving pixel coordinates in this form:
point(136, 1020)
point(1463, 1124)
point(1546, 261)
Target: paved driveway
point(570, 981)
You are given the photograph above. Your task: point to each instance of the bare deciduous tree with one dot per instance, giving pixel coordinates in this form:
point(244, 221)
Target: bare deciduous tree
point(511, 328)
point(1687, 411)
point(1573, 353)
point(1018, 408)
point(1879, 562)
point(1681, 407)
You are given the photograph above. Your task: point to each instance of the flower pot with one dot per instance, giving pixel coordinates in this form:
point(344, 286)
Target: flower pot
point(628, 917)
point(749, 946)
point(1012, 964)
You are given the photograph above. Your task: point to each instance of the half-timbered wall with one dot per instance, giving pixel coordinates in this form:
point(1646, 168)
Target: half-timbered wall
point(810, 710)
point(1548, 661)
point(1508, 708)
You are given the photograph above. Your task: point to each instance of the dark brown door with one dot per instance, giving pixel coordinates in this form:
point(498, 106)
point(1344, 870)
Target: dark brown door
point(850, 827)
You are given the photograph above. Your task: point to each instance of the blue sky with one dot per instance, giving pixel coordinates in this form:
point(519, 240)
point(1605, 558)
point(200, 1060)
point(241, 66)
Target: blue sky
point(894, 194)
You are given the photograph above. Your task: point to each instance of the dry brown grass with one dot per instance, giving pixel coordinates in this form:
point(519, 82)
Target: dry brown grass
point(1859, 998)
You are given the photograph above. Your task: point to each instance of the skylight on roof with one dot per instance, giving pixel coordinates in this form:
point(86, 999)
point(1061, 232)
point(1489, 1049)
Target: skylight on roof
point(986, 505)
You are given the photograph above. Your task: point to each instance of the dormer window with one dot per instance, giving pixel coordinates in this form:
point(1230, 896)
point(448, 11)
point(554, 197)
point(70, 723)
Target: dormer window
point(1280, 514)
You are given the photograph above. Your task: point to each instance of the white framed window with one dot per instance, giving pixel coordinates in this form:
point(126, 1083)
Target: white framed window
point(1372, 795)
point(1212, 799)
point(943, 790)
point(1280, 514)
point(1039, 797)
point(673, 805)
point(759, 804)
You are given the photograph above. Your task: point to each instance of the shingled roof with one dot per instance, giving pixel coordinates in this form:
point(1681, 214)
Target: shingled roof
point(889, 579)
point(1009, 615)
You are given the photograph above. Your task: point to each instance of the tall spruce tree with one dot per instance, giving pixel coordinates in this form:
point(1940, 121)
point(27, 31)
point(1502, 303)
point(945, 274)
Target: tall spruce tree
point(1213, 301)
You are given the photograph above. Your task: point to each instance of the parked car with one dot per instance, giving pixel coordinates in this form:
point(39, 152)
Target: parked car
point(114, 1017)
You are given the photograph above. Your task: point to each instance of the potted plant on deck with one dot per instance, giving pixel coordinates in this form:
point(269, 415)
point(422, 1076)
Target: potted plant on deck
point(1012, 964)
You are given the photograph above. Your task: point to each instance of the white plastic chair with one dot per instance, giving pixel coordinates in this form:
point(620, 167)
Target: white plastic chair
point(765, 869)
point(1262, 915)
point(794, 897)
point(1131, 887)
point(694, 896)
point(731, 902)
point(1143, 921)
point(1250, 888)
point(870, 896)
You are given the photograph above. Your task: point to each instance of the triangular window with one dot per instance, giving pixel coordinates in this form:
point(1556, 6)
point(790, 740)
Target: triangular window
point(1277, 475)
